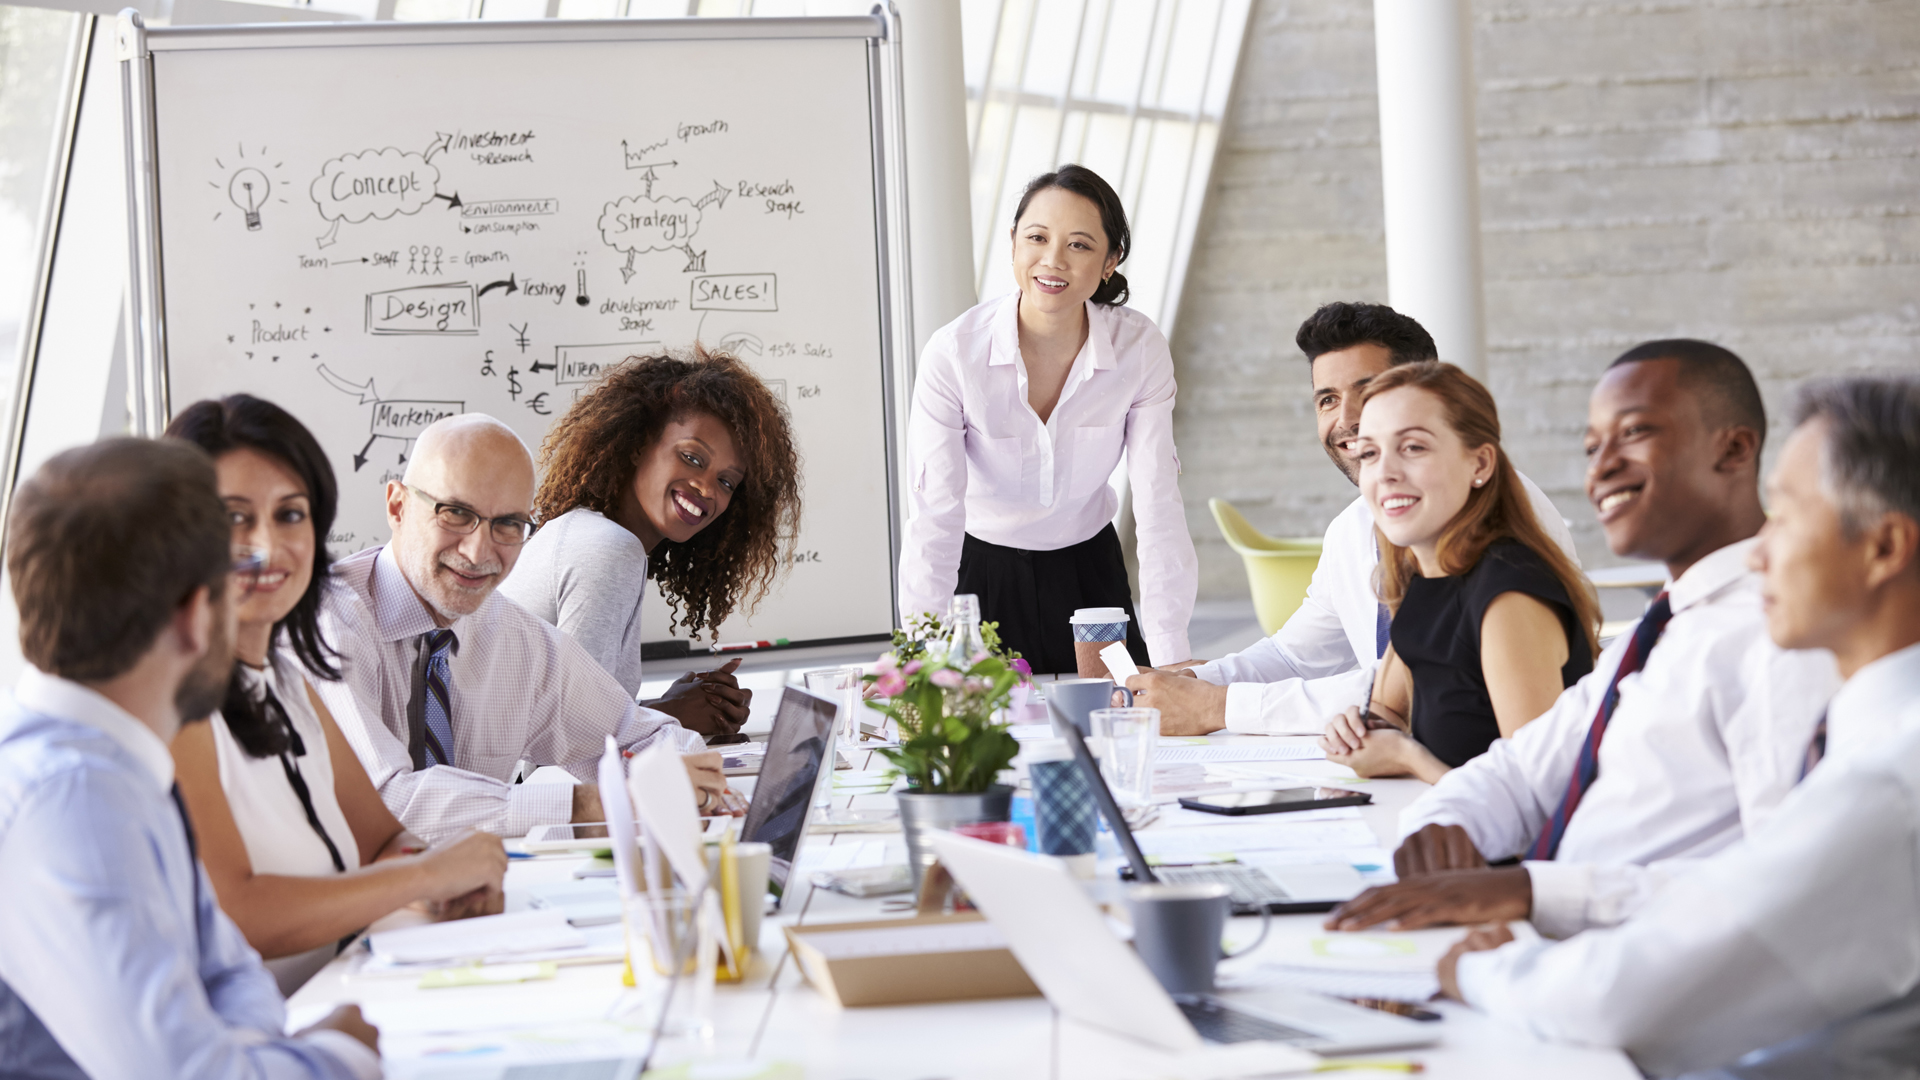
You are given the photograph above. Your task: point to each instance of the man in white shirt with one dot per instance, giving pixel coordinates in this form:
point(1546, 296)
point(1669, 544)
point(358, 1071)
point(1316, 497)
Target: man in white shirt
point(1804, 939)
point(446, 686)
point(1690, 728)
point(1323, 659)
point(116, 961)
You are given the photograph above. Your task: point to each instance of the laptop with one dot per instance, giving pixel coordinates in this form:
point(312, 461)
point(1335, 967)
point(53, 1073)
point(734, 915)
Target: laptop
point(1282, 890)
point(790, 776)
point(1088, 973)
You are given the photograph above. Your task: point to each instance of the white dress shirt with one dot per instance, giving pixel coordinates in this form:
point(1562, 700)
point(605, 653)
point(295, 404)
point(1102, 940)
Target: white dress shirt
point(116, 962)
point(1707, 738)
point(1322, 659)
point(983, 463)
point(520, 689)
point(272, 821)
point(1806, 934)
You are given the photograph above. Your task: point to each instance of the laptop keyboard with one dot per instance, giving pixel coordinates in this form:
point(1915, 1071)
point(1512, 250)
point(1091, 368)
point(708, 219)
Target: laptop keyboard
point(1217, 1023)
point(1251, 886)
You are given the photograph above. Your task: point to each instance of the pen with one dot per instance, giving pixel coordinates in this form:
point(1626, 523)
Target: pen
point(519, 854)
point(1377, 1066)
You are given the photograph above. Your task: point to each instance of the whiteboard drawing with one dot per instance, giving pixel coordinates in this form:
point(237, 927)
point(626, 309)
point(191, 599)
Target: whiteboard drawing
point(425, 309)
point(250, 183)
point(638, 224)
point(398, 420)
point(584, 363)
point(377, 184)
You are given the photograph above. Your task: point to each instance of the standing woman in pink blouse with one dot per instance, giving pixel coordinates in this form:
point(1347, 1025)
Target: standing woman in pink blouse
point(1022, 409)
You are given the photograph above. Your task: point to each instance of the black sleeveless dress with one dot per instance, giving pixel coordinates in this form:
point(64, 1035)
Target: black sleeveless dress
point(1436, 633)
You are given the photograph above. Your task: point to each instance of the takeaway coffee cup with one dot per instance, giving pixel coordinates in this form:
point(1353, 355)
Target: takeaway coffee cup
point(1176, 931)
point(1070, 700)
point(1095, 628)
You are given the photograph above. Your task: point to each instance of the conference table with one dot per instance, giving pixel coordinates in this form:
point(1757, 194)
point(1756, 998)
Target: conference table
point(775, 1024)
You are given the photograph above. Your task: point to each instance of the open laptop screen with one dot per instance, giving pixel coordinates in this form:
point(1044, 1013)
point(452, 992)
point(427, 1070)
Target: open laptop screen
point(777, 816)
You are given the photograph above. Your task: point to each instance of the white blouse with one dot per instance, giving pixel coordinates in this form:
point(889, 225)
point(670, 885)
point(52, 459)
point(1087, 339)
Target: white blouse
point(271, 819)
point(982, 462)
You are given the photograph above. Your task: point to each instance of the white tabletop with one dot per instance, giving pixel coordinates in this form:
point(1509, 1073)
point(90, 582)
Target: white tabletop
point(774, 1015)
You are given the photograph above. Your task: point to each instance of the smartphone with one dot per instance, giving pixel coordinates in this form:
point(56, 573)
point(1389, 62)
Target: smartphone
point(1238, 803)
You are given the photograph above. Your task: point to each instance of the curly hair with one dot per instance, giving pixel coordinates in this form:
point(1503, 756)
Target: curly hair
point(590, 456)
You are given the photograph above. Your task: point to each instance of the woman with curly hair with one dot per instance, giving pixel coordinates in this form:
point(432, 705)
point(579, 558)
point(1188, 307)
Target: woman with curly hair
point(679, 466)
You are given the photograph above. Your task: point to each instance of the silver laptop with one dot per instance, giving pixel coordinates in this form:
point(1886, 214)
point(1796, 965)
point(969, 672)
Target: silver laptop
point(790, 777)
point(1088, 973)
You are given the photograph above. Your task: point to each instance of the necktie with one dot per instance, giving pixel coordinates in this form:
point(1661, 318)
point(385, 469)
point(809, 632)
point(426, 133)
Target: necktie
point(1587, 768)
point(1816, 749)
point(1382, 632)
point(193, 853)
point(438, 703)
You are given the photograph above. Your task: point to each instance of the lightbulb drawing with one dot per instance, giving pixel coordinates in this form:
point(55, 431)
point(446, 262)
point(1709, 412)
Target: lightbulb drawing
point(248, 189)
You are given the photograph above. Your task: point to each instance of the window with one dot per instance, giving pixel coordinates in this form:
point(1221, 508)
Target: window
point(1132, 89)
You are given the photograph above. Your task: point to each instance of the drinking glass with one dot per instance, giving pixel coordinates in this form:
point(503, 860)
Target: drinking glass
point(1125, 740)
point(841, 686)
point(664, 927)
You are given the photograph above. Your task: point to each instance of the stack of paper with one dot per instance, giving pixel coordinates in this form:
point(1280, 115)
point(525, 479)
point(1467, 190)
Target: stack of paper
point(520, 937)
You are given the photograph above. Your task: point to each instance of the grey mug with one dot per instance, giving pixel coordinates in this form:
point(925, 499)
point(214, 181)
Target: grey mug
point(1070, 701)
point(1176, 931)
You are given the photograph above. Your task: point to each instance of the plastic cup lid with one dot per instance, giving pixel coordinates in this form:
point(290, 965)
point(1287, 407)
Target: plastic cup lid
point(1099, 615)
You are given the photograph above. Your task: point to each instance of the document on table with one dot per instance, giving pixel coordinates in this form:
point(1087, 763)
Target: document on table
point(1185, 753)
point(843, 856)
point(1218, 842)
point(524, 935)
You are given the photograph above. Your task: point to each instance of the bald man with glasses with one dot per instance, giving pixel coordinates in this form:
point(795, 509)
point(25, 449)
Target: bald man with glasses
point(447, 686)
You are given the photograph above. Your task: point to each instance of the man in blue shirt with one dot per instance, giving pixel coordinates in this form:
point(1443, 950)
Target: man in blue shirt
point(115, 960)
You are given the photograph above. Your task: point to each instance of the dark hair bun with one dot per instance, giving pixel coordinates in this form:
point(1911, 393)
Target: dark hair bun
point(1112, 291)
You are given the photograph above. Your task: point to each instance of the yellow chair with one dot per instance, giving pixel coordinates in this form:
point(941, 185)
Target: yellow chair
point(1278, 570)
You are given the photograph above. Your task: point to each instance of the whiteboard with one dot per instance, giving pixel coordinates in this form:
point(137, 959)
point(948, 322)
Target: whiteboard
point(378, 226)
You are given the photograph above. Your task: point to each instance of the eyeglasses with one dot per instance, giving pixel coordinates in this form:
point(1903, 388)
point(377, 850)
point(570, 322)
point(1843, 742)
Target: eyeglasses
point(508, 531)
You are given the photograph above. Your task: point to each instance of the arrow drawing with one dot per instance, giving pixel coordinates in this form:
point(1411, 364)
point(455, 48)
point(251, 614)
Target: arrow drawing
point(440, 142)
point(508, 285)
point(696, 261)
point(452, 200)
point(364, 391)
point(360, 458)
point(538, 367)
point(718, 197)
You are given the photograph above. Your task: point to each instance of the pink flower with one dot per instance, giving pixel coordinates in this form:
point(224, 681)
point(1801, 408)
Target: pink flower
point(889, 684)
point(885, 664)
point(947, 678)
point(1020, 665)
point(914, 666)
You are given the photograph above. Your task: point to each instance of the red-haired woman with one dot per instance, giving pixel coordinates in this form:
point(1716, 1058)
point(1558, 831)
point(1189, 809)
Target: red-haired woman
point(1491, 620)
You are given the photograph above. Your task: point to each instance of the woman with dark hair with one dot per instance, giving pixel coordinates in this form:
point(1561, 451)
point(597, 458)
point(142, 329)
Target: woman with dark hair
point(681, 467)
point(1491, 619)
point(1022, 408)
point(297, 843)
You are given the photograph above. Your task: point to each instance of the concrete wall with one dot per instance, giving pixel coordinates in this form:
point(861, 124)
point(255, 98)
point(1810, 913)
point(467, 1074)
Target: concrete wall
point(1741, 170)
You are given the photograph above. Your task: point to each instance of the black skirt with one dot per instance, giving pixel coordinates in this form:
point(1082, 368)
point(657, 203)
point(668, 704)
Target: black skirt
point(1033, 594)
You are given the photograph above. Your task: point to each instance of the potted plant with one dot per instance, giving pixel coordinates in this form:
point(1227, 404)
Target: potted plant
point(952, 746)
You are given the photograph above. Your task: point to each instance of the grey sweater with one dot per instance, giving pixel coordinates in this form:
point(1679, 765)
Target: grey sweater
point(586, 575)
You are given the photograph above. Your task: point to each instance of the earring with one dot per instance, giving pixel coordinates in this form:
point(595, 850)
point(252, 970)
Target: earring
point(1477, 483)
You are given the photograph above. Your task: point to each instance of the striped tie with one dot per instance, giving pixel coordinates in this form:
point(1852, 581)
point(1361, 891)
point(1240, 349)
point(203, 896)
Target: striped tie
point(1587, 769)
point(439, 703)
